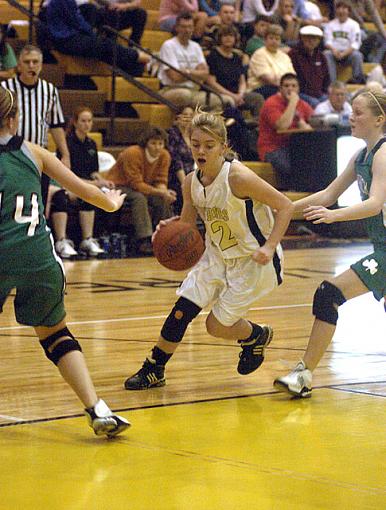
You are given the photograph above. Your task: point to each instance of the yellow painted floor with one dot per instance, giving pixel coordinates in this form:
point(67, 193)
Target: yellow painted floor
point(210, 439)
point(279, 454)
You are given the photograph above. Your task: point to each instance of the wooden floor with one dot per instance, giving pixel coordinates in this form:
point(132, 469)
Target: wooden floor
point(210, 439)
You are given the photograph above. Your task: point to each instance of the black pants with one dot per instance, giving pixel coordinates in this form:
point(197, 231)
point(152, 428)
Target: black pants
point(134, 19)
point(100, 48)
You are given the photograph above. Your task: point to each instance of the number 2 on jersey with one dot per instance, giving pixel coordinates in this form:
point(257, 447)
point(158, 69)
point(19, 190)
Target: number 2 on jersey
point(227, 238)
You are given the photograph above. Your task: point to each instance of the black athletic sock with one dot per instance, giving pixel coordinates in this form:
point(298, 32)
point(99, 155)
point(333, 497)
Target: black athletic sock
point(256, 332)
point(160, 356)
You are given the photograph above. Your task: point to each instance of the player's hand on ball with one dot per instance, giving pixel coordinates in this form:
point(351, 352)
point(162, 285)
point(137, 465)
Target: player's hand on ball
point(263, 255)
point(116, 197)
point(163, 223)
point(319, 214)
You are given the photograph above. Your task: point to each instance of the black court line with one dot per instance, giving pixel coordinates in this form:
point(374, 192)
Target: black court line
point(189, 402)
point(342, 387)
point(209, 344)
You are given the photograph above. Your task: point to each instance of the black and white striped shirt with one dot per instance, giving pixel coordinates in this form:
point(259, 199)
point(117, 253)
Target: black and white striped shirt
point(39, 109)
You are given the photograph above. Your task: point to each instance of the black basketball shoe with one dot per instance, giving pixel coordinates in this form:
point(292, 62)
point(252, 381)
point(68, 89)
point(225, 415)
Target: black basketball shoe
point(150, 376)
point(252, 353)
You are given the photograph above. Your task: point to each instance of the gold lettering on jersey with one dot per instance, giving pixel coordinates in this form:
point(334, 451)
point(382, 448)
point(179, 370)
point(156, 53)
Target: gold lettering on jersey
point(215, 213)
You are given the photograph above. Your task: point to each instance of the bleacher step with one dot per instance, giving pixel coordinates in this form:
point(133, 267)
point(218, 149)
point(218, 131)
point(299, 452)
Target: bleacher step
point(94, 99)
point(127, 131)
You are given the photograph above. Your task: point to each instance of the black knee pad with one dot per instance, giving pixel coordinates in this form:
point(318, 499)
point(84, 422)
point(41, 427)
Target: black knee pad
point(58, 344)
point(60, 201)
point(327, 298)
point(183, 313)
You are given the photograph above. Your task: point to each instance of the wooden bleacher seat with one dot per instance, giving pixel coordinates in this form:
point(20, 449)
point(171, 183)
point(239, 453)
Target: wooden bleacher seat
point(263, 170)
point(151, 39)
point(8, 13)
point(345, 72)
point(266, 172)
point(150, 4)
point(152, 20)
point(155, 114)
point(71, 99)
point(97, 137)
point(81, 66)
point(125, 91)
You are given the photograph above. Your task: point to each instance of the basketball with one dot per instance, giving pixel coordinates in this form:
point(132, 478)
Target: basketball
point(178, 246)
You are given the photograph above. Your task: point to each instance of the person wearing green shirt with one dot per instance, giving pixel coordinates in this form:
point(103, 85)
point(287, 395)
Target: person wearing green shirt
point(8, 60)
point(257, 40)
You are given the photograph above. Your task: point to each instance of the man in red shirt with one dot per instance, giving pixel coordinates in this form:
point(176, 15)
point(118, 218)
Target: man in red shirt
point(281, 112)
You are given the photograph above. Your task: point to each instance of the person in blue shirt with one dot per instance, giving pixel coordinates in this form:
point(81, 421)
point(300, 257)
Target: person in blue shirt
point(71, 34)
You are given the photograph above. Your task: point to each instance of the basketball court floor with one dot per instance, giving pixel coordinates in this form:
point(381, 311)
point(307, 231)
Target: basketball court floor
point(210, 439)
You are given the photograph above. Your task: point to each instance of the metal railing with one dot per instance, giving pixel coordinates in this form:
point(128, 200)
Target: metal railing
point(117, 71)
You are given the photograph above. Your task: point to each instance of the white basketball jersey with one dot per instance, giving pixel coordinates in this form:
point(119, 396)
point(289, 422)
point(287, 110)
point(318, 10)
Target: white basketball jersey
point(238, 227)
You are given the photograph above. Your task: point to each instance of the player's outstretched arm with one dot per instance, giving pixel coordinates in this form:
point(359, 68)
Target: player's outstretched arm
point(372, 206)
point(110, 201)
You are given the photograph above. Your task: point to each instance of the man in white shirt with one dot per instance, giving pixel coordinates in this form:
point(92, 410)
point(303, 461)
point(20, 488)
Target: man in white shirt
point(342, 40)
point(336, 103)
point(186, 55)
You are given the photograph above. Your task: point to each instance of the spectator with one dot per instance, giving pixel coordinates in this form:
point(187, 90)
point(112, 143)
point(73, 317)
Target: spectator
point(283, 111)
point(227, 15)
point(182, 162)
point(39, 107)
point(336, 103)
point(141, 172)
point(226, 73)
point(370, 10)
point(212, 8)
point(170, 10)
point(71, 34)
point(268, 64)
point(378, 73)
point(251, 8)
point(256, 42)
point(314, 14)
point(8, 60)
point(290, 23)
point(84, 163)
point(119, 14)
point(184, 54)
point(342, 40)
point(311, 66)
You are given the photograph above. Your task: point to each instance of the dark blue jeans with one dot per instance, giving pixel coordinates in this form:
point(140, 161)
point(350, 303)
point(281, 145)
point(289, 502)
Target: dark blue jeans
point(100, 48)
point(280, 160)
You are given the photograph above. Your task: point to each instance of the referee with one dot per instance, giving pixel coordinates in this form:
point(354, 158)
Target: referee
point(39, 106)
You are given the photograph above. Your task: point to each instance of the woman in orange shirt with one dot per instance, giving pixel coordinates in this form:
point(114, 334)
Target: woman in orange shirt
point(141, 171)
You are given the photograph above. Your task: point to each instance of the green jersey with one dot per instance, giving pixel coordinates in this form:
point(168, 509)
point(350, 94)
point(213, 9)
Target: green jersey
point(376, 225)
point(25, 240)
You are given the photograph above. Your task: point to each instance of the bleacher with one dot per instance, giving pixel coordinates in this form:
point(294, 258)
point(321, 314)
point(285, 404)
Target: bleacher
point(126, 130)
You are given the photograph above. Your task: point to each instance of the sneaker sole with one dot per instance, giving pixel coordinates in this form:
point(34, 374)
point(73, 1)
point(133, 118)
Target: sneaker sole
point(283, 388)
point(158, 384)
point(118, 430)
point(111, 430)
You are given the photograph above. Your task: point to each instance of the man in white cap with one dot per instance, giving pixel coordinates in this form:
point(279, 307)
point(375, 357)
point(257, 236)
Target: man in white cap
point(310, 65)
